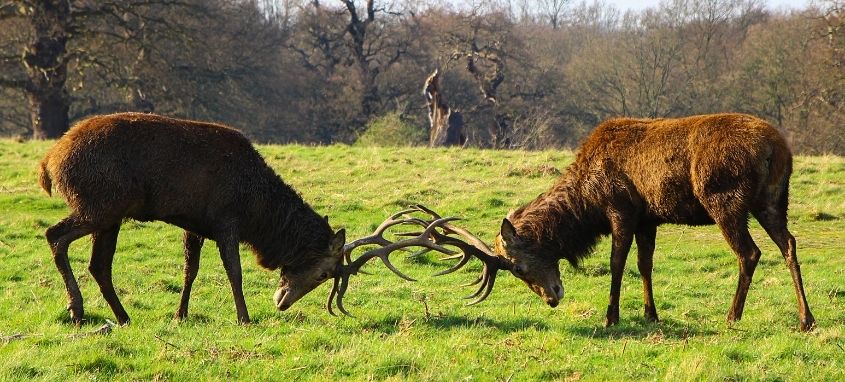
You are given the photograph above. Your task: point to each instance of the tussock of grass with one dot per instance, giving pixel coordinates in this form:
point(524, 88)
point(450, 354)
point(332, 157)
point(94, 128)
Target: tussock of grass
point(422, 330)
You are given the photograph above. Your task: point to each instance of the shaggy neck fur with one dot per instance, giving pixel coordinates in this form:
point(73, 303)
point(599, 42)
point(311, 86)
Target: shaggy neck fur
point(284, 231)
point(562, 222)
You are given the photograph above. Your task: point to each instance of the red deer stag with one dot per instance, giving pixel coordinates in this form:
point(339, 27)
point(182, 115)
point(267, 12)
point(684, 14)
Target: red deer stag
point(202, 177)
point(632, 175)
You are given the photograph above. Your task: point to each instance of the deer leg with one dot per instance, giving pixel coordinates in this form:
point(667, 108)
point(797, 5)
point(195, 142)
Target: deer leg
point(100, 266)
point(59, 237)
point(622, 240)
point(645, 255)
point(775, 226)
point(193, 247)
point(227, 243)
point(735, 231)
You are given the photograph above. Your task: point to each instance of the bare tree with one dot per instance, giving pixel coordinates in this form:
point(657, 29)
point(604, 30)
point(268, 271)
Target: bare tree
point(374, 49)
point(479, 41)
point(552, 10)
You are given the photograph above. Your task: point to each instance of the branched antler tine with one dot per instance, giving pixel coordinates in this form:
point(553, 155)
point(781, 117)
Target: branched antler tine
point(377, 237)
point(348, 257)
point(394, 220)
point(344, 283)
point(417, 221)
point(484, 278)
point(425, 239)
point(468, 250)
point(390, 266)
point(478, 280)
point(403, 212)
point(383, 252)
point(489, 288)
point(464, 259)
point(448, 228)
point(473, 246)
point(471, 239)
point(430, 231)
point(430, 239)
point(453, 257)
point(330, 302)
point(434, 216)
point(422, 208)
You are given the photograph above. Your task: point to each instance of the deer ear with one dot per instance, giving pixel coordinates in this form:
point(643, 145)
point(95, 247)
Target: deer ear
point(338, 241)
point(508, 231)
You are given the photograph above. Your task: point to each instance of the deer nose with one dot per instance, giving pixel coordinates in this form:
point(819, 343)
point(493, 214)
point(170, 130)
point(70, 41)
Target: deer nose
point(558, 291)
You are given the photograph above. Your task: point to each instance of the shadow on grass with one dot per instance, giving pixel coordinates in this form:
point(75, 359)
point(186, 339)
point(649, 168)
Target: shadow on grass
point(90, 319)
point(393, 324)
point(642, 328)
point(190, 319)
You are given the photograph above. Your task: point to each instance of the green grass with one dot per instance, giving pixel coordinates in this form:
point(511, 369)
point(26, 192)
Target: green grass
point(422, 330)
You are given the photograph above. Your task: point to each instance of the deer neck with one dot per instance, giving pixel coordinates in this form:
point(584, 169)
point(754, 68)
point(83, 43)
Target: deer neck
point(565, 221)
point(285, 231)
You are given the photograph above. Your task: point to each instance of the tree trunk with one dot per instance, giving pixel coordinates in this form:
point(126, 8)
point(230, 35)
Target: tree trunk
point(446, 124)
point(48, 111)
point(46, 67)
point(370, 99)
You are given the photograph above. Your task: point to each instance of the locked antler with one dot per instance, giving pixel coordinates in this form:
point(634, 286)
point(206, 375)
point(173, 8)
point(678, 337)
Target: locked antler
point(430, 239)
point(471, 247)
point(344, 271)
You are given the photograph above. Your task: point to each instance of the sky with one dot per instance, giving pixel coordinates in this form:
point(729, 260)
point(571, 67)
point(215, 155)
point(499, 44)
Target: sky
point(642, 4)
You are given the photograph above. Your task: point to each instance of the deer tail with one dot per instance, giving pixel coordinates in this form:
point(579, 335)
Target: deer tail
point(44, 177)
point(779, 172)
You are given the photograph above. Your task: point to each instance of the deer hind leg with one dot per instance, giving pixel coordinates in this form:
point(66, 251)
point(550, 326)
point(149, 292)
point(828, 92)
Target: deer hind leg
point(645, 255)
point(774, 222)
point(193, 247)
point(59, 237)
point(735, 230)
point(100, 266)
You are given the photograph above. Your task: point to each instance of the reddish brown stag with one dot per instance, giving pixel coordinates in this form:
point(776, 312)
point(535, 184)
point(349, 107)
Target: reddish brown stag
point(202, 177)
point(632, 175)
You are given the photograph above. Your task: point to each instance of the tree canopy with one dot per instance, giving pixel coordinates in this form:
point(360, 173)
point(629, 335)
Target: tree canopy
point(522, 73)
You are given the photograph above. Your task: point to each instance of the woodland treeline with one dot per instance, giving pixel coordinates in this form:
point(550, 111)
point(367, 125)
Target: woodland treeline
point(522, 73)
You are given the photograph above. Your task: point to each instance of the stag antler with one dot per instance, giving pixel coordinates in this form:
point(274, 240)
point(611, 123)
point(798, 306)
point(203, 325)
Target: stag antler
point(341, 279)
point(472, 247)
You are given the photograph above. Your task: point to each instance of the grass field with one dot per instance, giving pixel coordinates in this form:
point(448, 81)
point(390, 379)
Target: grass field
point(422, 330)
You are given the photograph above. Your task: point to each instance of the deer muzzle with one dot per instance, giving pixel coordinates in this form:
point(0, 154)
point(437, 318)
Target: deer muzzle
point(553, 294)
point(284, 298)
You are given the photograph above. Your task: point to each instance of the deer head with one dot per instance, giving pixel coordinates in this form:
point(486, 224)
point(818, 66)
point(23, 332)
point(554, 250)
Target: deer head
point(541, 273)
point(512, 253)
point(296, 282)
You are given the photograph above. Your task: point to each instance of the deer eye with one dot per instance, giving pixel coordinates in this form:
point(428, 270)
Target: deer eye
point(323, 276)
point(519, 270)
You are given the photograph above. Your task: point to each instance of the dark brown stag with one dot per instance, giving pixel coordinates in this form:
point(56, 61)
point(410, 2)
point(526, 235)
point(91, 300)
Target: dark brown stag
point(204, 178)
point(632, 175)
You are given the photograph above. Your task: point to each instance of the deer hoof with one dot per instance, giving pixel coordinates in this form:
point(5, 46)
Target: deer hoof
point(808, 324)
